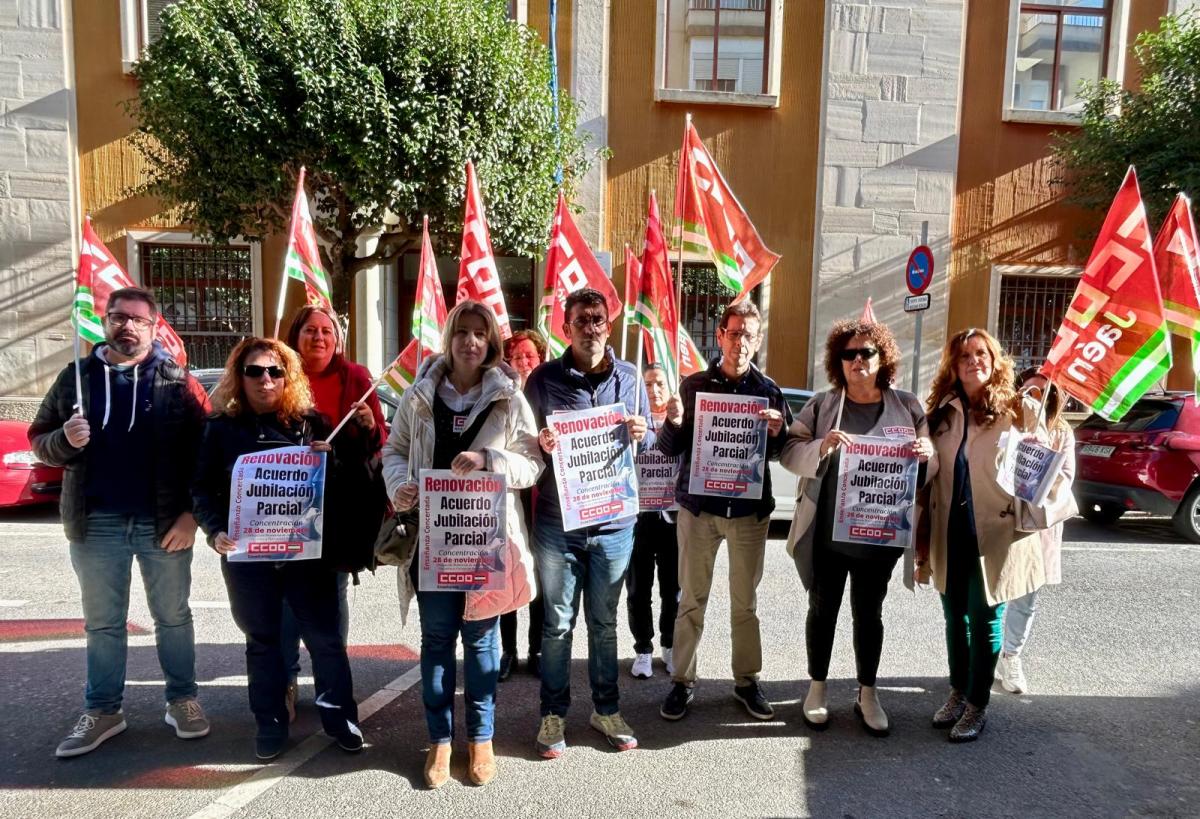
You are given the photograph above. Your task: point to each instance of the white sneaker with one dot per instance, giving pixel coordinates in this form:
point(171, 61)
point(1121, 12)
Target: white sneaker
point(1012, 675)
point(668, 660)
point(641, 666)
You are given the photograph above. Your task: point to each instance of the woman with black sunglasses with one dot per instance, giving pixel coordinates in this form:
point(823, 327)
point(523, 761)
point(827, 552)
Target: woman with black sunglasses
point(263, 402)
point(860, 361)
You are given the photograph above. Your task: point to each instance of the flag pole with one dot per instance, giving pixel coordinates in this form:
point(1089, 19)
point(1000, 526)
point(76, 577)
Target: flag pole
point(679, 281)
point(354, 406)
point(283, 283)
point(78, 347)
point(628, 311)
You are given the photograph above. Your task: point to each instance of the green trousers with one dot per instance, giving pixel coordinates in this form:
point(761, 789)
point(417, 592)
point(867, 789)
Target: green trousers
point(974, 630)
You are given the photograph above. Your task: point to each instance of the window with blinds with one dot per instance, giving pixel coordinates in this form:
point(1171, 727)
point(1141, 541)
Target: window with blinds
point(152, 18)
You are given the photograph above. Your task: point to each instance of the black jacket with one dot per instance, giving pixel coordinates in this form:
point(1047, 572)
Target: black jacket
point(177, 417)
point(673, 440)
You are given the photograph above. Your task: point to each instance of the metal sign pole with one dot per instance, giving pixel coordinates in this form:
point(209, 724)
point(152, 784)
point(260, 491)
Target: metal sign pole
point(916, 368)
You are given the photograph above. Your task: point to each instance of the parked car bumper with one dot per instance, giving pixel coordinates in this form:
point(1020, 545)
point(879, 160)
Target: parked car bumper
point(21, 487)
point(1127, 497)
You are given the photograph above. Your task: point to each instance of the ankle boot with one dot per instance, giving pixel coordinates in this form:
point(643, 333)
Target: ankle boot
point(816, 715)
point(870, 712)
point(481, 762)
point(437, 765)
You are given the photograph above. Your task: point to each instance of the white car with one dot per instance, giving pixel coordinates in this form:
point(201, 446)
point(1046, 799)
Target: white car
point(783, 483)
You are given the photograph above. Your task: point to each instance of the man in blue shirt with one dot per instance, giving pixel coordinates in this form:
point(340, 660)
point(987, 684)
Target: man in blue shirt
point(589, 562)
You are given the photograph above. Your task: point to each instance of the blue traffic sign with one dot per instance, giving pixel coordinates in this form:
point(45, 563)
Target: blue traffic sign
point(918, 273)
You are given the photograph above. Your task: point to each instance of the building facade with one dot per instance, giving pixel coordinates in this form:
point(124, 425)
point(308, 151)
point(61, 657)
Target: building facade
point(851, 131)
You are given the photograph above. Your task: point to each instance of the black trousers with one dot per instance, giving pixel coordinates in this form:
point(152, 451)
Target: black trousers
point(256, 595)
point(655, 546)
point(869, 578)
point(508, 629)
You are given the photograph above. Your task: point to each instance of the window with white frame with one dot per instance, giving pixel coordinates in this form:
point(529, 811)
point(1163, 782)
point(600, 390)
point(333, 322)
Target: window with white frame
point(1055, 46)
point(141, 25)
point(719, 51)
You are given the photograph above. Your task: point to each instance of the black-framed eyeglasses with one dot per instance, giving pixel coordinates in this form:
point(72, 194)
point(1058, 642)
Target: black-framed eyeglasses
point(121, 319)
point(595, 322)
point(257, 370)
point(852, 353)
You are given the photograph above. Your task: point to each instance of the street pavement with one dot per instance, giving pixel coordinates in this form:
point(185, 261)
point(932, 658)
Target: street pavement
point(1110, 728)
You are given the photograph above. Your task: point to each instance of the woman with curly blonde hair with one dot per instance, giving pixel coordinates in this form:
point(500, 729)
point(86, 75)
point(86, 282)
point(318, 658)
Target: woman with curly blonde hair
point(861, 360)
point(263, 402)
point(977, 556)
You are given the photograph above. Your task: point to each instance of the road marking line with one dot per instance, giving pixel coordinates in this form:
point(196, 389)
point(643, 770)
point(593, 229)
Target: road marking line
point(12, 604)
point(1109, 549)
point(241, 795)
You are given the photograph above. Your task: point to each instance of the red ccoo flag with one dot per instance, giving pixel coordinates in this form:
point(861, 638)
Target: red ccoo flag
point(712, 221)
point(570, 266)
point(656, 310)
point(478, 278)
point(1112, 345)
point(1178, 263)
point(99, 275)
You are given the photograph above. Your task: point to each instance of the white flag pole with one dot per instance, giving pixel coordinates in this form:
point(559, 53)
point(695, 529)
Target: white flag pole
point(628, 313)
point(679, 281)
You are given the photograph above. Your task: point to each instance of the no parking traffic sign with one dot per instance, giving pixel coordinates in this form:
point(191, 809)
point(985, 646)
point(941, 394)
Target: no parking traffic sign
point(918, 273)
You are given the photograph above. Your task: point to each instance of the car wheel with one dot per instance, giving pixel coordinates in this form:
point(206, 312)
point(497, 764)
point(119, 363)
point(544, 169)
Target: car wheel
point(1187, 516)
point(1102, 513)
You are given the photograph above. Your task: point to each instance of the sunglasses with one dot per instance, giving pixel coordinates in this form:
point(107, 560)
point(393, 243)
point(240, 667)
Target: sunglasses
point(257, 370)
point(865, 353)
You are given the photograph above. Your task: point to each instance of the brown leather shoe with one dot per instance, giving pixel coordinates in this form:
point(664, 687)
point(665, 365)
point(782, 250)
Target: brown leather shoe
point(481, 762)
point(437, 766)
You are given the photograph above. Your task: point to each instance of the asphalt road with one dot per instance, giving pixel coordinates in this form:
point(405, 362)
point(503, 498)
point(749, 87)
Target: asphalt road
point(1110, 729)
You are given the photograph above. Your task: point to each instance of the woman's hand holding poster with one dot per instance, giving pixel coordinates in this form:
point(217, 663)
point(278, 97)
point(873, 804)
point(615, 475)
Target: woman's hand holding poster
point(276, 505)
point(593, 466)
point(463, 532)
point(876, 492)
point(729, 446)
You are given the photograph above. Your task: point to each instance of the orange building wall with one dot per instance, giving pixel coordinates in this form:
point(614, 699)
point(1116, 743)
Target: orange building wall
point(110, 166)
point(768, 156)
point(1007, 209)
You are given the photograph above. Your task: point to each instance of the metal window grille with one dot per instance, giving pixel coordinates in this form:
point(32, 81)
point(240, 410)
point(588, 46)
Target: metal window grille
point(729, 5)
point(1031, 310)
point(205, 292)
point(704, 299)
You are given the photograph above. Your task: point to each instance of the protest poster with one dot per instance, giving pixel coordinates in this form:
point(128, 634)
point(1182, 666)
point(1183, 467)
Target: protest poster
point(1035, 468)
point(464, 537)
point(657, 476)
point(276, 505)
point(729, 446)
point(593, 466)
point(876, 492)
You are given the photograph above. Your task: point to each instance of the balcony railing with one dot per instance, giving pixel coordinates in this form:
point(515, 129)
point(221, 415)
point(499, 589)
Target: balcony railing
point(728, 5)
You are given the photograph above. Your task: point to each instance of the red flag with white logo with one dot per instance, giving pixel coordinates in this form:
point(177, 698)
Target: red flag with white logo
point(1113, 345)
point(570, 266)
point(710, 220)
point(99, 275)
point(478, 278)
point(1178, 263)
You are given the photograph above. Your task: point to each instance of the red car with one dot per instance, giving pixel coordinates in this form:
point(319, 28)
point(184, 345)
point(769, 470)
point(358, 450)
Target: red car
point(1148, 461)
point(23, 478)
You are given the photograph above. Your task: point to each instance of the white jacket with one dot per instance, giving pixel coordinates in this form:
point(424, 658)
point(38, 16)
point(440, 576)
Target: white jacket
point(508, 440)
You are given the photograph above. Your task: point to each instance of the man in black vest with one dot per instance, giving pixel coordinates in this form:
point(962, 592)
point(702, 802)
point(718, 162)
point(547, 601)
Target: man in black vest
point(129, 451)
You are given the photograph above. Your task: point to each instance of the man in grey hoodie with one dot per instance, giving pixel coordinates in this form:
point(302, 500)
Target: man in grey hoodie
point(128, 444)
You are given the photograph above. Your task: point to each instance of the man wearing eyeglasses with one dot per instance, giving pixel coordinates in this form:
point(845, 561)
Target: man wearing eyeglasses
point(583, 564)
point(705, 521)
point(129, 449)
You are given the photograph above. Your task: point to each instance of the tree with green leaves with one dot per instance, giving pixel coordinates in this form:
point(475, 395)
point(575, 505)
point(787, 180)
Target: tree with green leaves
point(1155, 127)
point(383, 101)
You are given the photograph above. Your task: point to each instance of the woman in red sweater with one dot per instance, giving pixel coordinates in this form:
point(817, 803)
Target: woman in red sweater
point(337, 384)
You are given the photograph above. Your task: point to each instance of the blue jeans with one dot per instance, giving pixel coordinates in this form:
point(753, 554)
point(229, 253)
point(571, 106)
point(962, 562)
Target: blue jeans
point(1018, 622)
point(568, 564)
point(103, 563)
point(289, 629)
point(441, 623)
